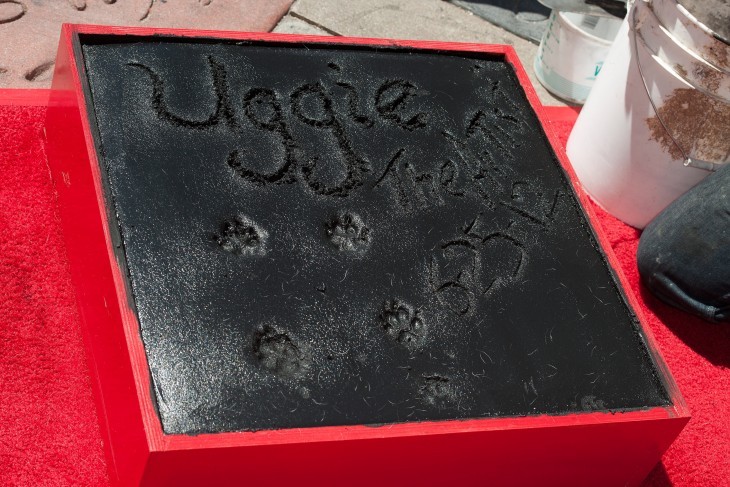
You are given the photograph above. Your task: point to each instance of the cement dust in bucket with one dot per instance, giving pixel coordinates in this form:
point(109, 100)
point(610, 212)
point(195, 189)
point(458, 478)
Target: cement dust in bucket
point(572, 52)
point(657, 121)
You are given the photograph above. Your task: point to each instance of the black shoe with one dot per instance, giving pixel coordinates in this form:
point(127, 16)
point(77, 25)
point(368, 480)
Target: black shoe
point(684, 253)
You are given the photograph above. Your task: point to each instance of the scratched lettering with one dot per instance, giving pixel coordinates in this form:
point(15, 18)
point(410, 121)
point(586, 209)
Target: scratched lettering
point(481, 256)
point(263, 110)
point(11, 10)
point(355, 165)
point(222, 111)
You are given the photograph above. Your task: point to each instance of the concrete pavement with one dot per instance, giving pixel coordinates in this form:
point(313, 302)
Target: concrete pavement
point(406, 19)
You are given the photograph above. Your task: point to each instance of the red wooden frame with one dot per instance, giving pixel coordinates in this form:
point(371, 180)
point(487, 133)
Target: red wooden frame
point(578, 449)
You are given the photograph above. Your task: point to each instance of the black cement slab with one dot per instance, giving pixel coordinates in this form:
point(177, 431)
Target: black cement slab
point(332, 236)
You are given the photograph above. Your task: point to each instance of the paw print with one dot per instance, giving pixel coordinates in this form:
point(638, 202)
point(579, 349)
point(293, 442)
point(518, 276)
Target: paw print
point(403, 323)
point(348, 232)
point(241, 236)
point(278, 353)
point(437, 391)
point(592, 403)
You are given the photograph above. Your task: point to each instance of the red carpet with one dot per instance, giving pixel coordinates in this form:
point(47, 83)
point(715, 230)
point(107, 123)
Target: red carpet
point(48, 422)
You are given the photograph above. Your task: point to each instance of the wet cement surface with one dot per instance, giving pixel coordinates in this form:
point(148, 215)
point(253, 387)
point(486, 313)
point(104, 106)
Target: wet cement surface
point(329, 236)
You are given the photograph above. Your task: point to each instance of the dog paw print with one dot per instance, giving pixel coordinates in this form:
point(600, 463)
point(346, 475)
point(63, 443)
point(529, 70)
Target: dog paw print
point(437, 391)
point(277, 352)
point(403, 323)
point(592, 403)
point(348, 232)
point(241, 236)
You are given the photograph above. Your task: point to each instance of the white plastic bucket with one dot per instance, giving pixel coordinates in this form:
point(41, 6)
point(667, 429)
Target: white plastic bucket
point(658, 118)
point(572, 52)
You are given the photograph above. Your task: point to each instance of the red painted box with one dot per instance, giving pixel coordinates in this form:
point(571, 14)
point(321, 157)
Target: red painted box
point(591, 448)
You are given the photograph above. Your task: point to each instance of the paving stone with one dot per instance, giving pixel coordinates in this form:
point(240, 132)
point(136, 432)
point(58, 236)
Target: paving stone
point(525, 18)
point(29, 29)
point(292, 25)
point(418, 20)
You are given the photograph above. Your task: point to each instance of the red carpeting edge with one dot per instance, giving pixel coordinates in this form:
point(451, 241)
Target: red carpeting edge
point(48, 423)
point(49, 433)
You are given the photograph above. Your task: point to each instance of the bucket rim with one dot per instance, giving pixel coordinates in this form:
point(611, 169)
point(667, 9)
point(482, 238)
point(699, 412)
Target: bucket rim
point(692, 34)
point(575, 28)
point(693, 19)
point(690, 17)
point(649, 29)
point(636, 34)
